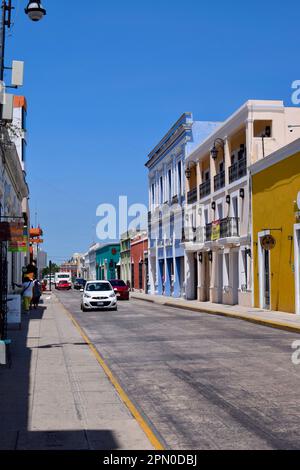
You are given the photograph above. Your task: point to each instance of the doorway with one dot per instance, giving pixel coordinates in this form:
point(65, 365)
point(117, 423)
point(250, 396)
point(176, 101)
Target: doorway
point(267, 280)
point(206, 283)
point(235, 277)
point(220, 278)
point(297, 268)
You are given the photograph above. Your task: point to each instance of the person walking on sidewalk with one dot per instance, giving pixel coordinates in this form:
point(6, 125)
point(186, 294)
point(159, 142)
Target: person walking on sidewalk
point(36, 294)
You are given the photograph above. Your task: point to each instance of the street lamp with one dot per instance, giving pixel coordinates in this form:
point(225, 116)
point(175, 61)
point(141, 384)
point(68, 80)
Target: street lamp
point(214, 151)
point(35, 11)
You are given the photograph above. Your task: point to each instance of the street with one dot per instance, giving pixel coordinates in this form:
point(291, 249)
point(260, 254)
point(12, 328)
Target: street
point(201, 381)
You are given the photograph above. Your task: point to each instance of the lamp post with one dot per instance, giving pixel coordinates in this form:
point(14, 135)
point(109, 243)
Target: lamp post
point(35, 12)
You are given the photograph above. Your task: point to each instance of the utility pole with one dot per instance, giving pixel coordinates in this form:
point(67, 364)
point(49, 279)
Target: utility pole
point(50, 273)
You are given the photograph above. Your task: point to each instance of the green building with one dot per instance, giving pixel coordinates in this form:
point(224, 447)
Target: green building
point(108, 262)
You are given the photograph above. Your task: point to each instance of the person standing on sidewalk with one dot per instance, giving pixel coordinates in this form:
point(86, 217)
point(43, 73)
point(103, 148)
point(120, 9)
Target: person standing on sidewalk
point(36, 294)
point(27, 292)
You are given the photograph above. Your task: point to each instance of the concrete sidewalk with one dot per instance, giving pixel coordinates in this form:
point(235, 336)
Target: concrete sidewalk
point(56, 396)
point(281, 320)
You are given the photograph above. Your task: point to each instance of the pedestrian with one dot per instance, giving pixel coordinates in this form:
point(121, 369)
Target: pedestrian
point(36, 294)
point(27, 292)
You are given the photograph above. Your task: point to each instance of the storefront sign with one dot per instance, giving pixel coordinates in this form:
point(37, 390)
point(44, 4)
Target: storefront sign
point(11, 231)
point(215, 230)
point(18, 246)
point(268, 242)
point(14, 309)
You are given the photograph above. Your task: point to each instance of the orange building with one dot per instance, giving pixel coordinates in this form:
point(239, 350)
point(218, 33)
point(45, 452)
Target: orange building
point(139, 262)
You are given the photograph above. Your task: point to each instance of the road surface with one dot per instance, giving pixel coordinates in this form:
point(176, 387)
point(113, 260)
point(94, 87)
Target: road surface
point(202, 381)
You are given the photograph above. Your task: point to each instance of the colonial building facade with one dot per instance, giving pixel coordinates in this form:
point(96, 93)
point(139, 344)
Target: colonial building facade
point(166, 165)
point(218, 191)
point(276, 230)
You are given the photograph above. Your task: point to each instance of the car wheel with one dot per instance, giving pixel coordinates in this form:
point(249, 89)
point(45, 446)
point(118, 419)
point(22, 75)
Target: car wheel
point(83, 309)
point(115, 309)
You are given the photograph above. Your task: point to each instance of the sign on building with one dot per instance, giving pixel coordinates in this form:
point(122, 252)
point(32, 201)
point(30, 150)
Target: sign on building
point(268, 242)
point(215, 230)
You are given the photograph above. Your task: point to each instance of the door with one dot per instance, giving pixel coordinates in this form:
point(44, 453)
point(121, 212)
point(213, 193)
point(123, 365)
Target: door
point(220, 278)
point(235, 278)
point(196, 277)
point(297, 268)
point(206, 278)
point(3, 289)
point(267, 283)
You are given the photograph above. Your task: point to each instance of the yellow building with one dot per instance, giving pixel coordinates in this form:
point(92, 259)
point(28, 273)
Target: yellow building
point(276, 229)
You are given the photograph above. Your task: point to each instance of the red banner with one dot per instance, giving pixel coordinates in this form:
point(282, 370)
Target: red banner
point(11, 231)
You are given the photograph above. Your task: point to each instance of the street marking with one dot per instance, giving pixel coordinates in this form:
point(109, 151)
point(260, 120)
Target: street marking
point(123, 395)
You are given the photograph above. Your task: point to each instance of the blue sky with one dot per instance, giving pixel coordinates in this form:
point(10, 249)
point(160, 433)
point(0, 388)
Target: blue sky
point(106, 80)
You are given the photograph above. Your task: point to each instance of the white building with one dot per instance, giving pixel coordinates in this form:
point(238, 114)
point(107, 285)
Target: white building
point(218, 218)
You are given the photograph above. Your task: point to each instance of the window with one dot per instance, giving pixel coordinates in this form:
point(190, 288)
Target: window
point(220, 211)
point(24, 119)
point(221, 167)
point(262, 128)
point(161, 187)
point(179, 168)
point(153, 194)
point(235, 207)
point(170, 183)
point(24, 148)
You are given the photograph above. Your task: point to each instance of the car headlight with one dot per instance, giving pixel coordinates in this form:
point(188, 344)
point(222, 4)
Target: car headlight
point(112, 295)
point(87, 296)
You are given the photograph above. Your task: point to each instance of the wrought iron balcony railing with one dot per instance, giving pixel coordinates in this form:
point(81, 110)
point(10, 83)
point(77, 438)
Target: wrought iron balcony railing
point(192, 196)
point(238, 170)
point(205, 189)
point(219, 180)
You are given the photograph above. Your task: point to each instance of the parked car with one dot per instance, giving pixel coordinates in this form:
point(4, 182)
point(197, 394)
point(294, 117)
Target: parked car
point(120, 288)
point(98, 295)
point(79, 283)
point(63, 285)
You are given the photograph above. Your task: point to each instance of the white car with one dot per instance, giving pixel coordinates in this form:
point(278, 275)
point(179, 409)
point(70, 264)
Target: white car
point(98, 295)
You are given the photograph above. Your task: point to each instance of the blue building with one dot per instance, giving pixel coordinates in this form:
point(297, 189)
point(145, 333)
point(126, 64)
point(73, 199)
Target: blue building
point(166, 165)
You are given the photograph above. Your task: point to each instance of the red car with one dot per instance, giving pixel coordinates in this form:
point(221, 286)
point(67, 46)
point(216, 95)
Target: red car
point(63, 285)
point(120, 288)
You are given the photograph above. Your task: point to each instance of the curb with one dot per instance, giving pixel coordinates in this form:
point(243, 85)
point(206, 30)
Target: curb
point(276, 324)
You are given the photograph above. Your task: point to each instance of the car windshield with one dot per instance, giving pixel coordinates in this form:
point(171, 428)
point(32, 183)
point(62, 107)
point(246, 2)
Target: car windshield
point(98, 287)
point(118, 283)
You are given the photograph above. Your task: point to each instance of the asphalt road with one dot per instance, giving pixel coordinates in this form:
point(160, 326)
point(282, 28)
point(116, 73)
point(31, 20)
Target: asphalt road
point(203, 381)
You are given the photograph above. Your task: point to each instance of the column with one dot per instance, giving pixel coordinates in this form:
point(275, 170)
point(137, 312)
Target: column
point(227, 160)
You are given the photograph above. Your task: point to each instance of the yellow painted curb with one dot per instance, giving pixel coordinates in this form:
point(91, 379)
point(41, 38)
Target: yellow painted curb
point(277, 324)
point(124, 397)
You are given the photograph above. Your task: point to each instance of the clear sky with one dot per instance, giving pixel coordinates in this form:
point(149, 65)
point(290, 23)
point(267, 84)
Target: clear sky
point(106, 80)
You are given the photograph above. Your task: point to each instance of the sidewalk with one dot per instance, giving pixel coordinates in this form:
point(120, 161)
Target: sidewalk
point(280, 320)
point(56, 396)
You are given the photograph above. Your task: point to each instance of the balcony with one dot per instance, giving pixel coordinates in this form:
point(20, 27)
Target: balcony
point(189, 234)
point(238, 170)
point(205, 189)
point(192, 196)
point(225, 228)
point(219, 180)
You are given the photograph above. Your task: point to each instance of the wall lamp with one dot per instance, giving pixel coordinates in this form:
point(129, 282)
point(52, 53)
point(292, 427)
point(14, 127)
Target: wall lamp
point(213, 205)
point(248, 252)
point(228, 199)
point(242, 193)
point(200, 257)
point(214, 151)
point(210, 256)
point(188, 172)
